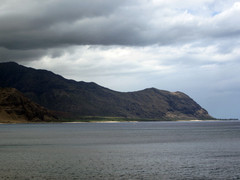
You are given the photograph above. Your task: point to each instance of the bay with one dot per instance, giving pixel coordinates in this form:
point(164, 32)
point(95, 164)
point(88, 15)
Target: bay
point(131, 150)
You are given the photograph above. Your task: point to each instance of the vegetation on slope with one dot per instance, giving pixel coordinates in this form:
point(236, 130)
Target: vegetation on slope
point(73, 99)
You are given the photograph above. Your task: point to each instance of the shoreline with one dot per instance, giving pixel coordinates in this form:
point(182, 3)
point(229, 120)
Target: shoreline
point(99, 122)
point(122, 121)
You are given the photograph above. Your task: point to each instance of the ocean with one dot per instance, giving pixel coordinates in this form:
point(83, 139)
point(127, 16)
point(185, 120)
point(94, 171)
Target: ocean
point(126, 150)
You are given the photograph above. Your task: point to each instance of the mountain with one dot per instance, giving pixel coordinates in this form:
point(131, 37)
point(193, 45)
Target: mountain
point(76, 99)
point(14, 107)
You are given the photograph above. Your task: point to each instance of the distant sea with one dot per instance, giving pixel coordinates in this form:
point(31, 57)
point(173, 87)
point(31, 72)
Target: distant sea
point(133, 150)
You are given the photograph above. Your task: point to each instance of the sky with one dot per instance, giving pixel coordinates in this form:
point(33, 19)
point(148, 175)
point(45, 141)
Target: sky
point(129, 45)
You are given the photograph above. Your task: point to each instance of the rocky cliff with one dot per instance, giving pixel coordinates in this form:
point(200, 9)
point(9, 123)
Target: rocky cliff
point(14, 108)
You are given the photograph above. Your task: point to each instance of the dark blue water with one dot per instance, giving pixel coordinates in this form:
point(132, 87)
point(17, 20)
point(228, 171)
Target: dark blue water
point(160, 150)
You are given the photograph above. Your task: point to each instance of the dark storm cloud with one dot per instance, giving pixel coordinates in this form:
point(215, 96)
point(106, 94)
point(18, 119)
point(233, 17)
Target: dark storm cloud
point(18, 55)
point(29, 28)
point(44, 23)
point(33, 24)
point(28, 54)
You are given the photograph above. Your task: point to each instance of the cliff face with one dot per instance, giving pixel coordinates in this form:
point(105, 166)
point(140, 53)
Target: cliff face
point(14, 108)
point(168, 105)
point(89, 99)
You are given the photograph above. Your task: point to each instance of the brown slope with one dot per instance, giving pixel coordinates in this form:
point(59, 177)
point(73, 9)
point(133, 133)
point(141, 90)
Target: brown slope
point(15, 108)
point(152, 104)
point(89, 99)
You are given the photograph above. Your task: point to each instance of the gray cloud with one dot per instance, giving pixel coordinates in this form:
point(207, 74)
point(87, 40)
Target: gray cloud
point(46, 24)
point(20, 55)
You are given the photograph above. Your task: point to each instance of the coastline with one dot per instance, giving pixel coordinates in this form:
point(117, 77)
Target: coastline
point(117, 121)
point(99, 122)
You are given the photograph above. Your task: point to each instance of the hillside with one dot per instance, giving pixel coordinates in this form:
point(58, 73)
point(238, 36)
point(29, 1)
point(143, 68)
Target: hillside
point(89, 99)
point(15, 108)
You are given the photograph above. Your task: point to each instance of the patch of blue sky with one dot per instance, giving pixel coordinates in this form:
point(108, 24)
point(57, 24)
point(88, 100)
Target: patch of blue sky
point(214, 13)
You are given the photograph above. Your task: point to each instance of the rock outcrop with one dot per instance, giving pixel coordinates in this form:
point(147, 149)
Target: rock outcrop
point(14, 108)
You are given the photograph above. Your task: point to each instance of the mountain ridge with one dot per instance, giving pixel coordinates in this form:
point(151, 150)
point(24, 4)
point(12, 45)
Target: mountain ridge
point(90, 99)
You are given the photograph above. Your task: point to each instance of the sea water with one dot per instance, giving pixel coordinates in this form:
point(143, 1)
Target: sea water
point(133, 150)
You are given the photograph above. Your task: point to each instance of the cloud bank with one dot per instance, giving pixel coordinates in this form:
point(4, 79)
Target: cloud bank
point(192, 46)
point(30, 24)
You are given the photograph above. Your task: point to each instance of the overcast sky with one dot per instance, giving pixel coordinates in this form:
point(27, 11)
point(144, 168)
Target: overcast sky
point(191, 46)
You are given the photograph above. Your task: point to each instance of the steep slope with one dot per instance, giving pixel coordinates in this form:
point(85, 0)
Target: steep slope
point(14, 107)
point(89, 99)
